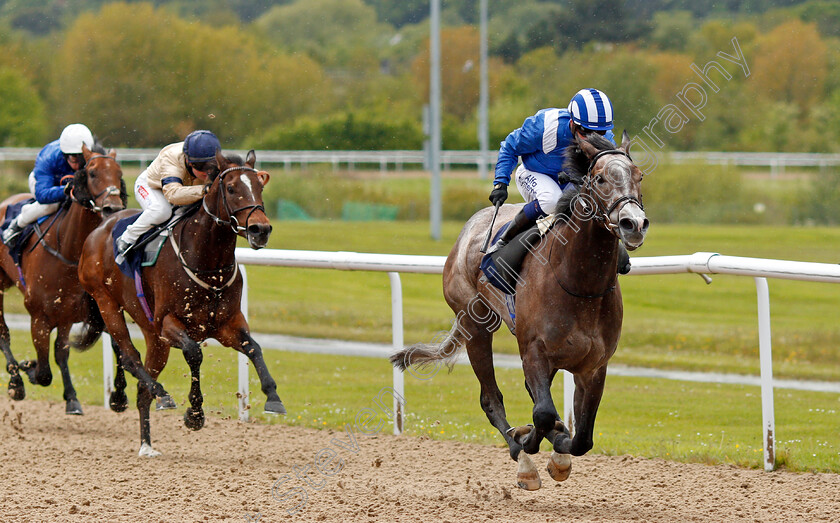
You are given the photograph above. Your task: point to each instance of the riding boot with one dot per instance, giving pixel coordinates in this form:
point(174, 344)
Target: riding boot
point(12, 233)
point(122, 249)
point(519, 223)
point(508, 259)
point(623, 259)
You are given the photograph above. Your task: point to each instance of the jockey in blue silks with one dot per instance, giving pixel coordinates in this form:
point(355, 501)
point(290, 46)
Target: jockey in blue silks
point(57, 160)
point(541, 144)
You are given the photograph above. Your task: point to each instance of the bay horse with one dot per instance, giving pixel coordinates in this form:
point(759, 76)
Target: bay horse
point(568, 306)
point(193, 291)
point(48, 276)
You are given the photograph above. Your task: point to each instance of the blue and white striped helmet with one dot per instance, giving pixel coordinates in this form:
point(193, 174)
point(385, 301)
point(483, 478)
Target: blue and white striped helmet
point(590, 108)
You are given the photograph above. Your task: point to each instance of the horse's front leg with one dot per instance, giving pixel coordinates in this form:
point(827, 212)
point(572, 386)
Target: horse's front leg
point(237, 335)
point(588, 391)
point(174, 332)
point(62, 354)
point(538, 376)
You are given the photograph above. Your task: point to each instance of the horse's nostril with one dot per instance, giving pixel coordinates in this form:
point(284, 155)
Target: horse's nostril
point(256, 229)
point(626, 224)
point(645, 224)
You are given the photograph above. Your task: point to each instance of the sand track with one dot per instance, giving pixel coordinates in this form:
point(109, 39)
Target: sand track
point(61, 468)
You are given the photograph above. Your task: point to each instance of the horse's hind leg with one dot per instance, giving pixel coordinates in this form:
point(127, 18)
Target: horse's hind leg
point(62, 353)
point(39, 371)
point(157, 354)
point(16, 389)
point(236, 334)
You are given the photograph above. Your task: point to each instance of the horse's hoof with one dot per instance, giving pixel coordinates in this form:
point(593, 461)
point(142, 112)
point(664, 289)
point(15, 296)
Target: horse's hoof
point(275, 407)
point(16, 389)
point(194, 418)
point(527, 477)
point(73, 408)
point(146, 451)
point(118, 401)
point(559, 466)
point(28, 367)
point(165, 403)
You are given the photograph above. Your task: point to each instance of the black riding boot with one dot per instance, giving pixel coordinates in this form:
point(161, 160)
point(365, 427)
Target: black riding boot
point(512, 247)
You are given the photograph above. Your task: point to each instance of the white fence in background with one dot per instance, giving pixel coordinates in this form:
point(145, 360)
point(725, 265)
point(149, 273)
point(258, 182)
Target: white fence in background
point(398, 159)
point(701, 263)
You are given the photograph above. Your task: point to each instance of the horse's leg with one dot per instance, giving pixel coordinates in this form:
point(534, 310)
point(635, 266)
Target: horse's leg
point(538, 375)
point(62, 353)
point(157, 354)
point(118, 400)
point(236, 335)
point(16, 389)
point(588, 392)
point(39, 371)
point(130, 358)
point(175, 334)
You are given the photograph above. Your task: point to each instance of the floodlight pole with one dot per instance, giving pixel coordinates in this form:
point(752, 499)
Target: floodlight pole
point(483, 96)
point(434, 114)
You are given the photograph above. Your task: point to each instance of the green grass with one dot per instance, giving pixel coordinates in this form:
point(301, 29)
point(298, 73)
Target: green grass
point(687, 422)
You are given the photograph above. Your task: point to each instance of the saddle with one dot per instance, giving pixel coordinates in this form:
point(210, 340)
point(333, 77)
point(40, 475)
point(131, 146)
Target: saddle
point(12, 212)
point(146, 250)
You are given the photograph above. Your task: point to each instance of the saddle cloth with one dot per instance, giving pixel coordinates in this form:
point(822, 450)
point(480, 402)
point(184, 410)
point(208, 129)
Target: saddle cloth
point(12, 212)
point(147, 248)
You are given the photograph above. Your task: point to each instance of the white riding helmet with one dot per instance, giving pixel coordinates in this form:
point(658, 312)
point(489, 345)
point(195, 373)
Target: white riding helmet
point(72, 138)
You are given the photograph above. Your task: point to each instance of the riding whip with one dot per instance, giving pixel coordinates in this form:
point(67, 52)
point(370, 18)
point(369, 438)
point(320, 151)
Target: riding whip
point(490, 230)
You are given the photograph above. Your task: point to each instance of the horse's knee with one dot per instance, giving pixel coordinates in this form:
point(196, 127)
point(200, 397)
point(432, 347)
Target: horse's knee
point(544, 418)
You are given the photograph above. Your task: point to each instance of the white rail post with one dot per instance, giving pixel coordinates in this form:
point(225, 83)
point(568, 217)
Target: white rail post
point(107, 369)
point(243, 359)
point(768, 417)
point(569, 400)
point(397, 330)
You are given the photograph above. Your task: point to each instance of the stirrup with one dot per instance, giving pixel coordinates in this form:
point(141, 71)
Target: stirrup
point(496, 246)
point(11, 234)
point(122, 249)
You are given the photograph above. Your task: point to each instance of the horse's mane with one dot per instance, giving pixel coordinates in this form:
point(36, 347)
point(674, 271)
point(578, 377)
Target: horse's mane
point(80, 189)
point(575, 168)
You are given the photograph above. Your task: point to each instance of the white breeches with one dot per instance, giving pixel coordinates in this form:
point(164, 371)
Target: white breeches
point(156, 209)
point(537, 186)
point(32, 211)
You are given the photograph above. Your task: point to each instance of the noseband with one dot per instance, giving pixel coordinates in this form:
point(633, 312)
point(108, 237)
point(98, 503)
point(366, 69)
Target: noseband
point(232, 221)
point(603, 216)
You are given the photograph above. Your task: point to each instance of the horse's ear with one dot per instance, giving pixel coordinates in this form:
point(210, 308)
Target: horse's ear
point(588, 149)
point(221, 161)
point(251, 158)
point(625, 142)
point(263, 177)
point(86, 152)
point(112, 153)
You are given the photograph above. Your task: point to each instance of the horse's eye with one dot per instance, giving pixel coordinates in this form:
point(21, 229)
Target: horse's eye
point(91, 174)
point(230, 189)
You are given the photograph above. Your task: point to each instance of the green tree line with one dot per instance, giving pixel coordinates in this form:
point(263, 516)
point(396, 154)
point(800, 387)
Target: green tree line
point(353, 74)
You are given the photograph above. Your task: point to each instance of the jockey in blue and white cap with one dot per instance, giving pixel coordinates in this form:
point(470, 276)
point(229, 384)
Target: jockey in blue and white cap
point(541, 144)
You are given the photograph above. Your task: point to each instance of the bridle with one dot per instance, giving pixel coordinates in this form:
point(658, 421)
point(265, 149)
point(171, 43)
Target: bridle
point(231, 221)
point(111, 190)
point(603, 216)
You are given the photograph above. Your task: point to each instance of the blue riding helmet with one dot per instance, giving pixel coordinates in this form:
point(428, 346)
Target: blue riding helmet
point(591, 109)
point(201, 146)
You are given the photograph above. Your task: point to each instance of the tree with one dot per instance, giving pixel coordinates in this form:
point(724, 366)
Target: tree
point(790, 65)
point(144, 77)
point(22, 120)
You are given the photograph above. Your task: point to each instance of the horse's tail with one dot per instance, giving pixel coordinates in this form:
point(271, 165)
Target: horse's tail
point(83, 335)
point(422, 355)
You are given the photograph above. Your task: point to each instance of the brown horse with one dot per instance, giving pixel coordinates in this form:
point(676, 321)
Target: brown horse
point(52, 293)
point(568, 306)
point(193, 291)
